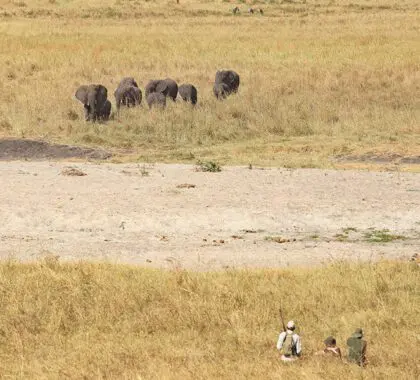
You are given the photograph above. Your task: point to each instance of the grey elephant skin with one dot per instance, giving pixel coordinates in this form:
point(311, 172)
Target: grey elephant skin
point(94, 99)
point(167, 87)
point(127, 93)
point(130, 81)
point(156, 99)
point(105, 111)
point(225, 83)
point(188, 93)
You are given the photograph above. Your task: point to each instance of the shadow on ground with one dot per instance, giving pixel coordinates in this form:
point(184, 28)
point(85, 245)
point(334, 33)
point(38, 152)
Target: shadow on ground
point(21, 149)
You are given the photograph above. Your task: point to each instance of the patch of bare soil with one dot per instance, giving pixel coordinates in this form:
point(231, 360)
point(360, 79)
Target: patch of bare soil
point(21, 149)
point(239, 217)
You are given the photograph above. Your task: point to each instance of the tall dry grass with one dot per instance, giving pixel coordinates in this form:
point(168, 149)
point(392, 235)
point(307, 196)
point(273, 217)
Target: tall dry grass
point(317, 80)
point(97, 321)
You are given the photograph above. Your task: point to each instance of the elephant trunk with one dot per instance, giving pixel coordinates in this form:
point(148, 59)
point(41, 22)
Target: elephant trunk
point(92, 106)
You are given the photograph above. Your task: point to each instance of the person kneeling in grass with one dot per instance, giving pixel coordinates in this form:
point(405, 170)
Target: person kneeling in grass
point(331, 348)
point(289, 343)
point(357, 348)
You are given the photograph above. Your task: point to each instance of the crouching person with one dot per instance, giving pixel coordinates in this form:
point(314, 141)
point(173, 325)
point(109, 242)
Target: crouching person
point(357, 348)
point(289, 343)
point(331, 349)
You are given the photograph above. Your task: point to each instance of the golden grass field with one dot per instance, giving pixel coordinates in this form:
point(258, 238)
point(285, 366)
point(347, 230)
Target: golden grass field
point(96, 321)
point(318, 80)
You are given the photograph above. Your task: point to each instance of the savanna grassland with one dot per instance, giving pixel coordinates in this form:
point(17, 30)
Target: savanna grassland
point(96, 321)
point(318, 79)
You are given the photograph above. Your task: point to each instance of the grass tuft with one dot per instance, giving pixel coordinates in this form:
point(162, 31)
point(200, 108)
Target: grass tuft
point(208, 166)
point(382, 236)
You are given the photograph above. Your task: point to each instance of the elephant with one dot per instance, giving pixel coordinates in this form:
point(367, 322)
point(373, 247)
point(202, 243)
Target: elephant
point(127, 93)
point(103, 113)
point(156, 99)
point(188, 93)
point(225, 83)
point(221, 90)
point(93, 97)
point(167, 87)
point(130, 81)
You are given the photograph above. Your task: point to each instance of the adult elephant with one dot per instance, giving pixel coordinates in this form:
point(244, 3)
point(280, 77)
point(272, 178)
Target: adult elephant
point(167, 87)
point(128, 96)
point(94, 99)
point(127, 93)
point(188, 93)
point(225, 83)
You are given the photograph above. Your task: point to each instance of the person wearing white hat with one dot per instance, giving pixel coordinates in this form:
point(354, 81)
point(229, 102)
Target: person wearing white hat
point(289, 343)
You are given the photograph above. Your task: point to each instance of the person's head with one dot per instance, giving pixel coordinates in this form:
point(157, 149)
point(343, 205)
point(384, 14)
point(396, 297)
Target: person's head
point(330, 341)
point(358, 333)
point(291, 325)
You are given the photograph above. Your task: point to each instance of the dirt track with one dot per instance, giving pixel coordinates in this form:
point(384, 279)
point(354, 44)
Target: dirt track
point(136, 214)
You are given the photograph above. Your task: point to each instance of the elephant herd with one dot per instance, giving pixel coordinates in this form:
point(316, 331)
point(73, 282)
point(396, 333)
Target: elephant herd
point(97, 107)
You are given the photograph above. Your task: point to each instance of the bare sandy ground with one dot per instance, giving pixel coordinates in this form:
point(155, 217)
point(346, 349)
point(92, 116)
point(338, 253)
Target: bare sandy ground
point(135, 214)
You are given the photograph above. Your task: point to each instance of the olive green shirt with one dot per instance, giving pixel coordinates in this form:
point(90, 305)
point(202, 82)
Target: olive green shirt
point(357, 350)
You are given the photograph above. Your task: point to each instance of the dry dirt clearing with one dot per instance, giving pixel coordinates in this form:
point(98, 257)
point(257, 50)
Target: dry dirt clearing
point(239, 217)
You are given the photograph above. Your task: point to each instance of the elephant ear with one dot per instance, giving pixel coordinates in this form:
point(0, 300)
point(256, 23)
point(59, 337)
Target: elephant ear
point(134, 83)
point(81, 94)
point(162, 87)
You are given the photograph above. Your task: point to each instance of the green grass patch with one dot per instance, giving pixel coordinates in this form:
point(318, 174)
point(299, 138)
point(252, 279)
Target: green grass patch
point(382, 236)
point(208, 166)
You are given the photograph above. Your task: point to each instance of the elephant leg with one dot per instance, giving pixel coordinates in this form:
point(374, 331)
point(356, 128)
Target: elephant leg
point(132, 101)
point(124, 100)
point(118, 102)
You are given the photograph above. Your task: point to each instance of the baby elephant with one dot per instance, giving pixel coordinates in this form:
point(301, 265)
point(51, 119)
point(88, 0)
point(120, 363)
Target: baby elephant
point(127, 93)
point(225, 83)
point(156, 99)
point(188, 93)
point(105, 111)
point(167, 87)
point(95, 102)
